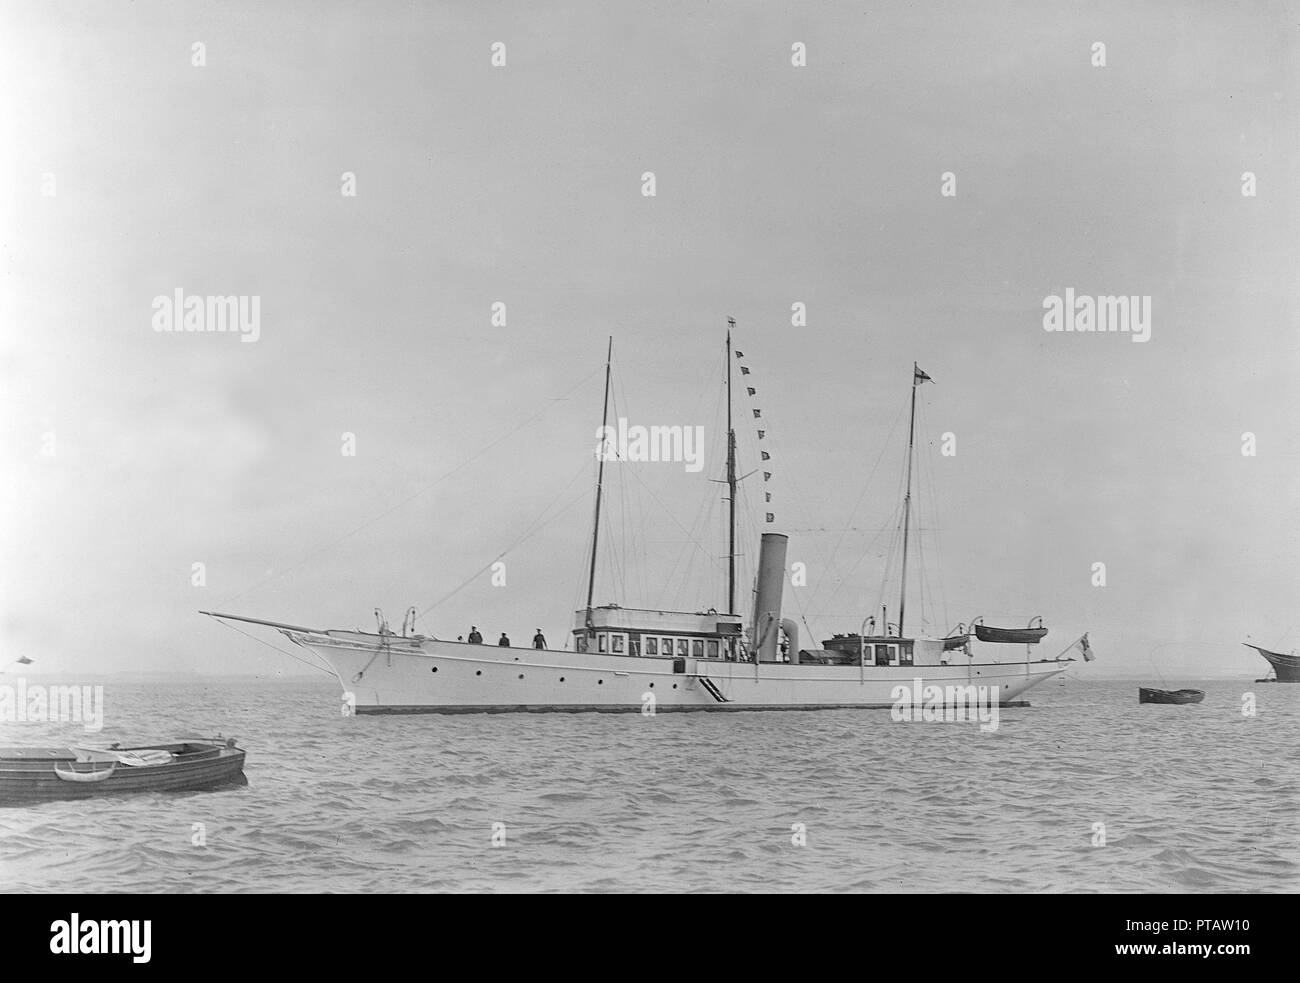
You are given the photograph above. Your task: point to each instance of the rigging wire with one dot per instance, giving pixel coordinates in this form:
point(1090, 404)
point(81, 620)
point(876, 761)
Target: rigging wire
point(535, 527)
point(884, 448)
point(618, 546)
point(891, 554)
point(936, 523)
point(415, 494)
point(897, 540)
point(703, 530)
point(633, 540)
point(893, 526)
point(277, 648)
point(886, 528)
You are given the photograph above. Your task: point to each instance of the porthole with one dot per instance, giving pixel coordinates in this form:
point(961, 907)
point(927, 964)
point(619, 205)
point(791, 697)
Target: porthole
point(521, 675)
point(561, 679)
point(600, 682)
point(674, 685)
point(479, 673)
point(434, 669)
point(652, 685)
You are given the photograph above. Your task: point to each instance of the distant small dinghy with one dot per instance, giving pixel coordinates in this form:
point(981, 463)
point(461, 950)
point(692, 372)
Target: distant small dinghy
point(30, 775)
point(1148, 695)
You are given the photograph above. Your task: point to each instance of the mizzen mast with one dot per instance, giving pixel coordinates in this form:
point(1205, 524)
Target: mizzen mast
point(600, 484)
point(907, 501)
point(731, 485)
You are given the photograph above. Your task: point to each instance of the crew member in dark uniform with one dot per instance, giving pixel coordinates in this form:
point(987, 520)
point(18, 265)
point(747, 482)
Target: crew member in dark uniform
point(539, 640)
point(504, 642)
point(474, 637)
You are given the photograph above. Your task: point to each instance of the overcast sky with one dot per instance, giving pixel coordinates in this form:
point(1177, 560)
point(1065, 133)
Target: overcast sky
point(131, 454)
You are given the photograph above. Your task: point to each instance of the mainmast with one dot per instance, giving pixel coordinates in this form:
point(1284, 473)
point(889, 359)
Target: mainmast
point(907, 503)
point(600, 484)
point(731, 485)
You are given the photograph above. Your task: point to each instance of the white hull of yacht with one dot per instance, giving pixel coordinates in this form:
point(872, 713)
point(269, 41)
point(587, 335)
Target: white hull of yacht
point(392, 674)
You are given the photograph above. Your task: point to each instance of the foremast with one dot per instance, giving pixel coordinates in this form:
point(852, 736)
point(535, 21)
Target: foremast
point(600, 484)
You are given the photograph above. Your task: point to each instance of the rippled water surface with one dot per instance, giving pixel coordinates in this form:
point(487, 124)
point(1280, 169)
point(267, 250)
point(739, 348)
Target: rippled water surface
point(1193, 799)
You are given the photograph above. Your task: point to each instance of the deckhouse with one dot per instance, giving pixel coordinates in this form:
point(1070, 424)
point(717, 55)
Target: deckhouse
point(883, 650)
point(615, 630)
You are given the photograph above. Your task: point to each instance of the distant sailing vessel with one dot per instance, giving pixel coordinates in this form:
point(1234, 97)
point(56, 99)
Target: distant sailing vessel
point(1285, 667)
point(625, 658)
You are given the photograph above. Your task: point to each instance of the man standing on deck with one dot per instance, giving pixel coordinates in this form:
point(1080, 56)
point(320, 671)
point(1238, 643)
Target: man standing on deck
point(504, 642)
point(539, 640)
point(474, 637)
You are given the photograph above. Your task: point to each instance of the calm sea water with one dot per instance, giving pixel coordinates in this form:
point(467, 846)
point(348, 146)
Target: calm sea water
point(1193, 799)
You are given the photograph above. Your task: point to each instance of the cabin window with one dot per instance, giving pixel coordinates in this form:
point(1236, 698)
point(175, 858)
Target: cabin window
point(893, 655)
point(713, 648)
point(634, 646)
point(618, 644)
point(667, 648)
point(601, 643)
point(580, 642)
point(683, 649)
point(652, 646)
point(697, 648)
point(882, 655)
point(905, 656)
